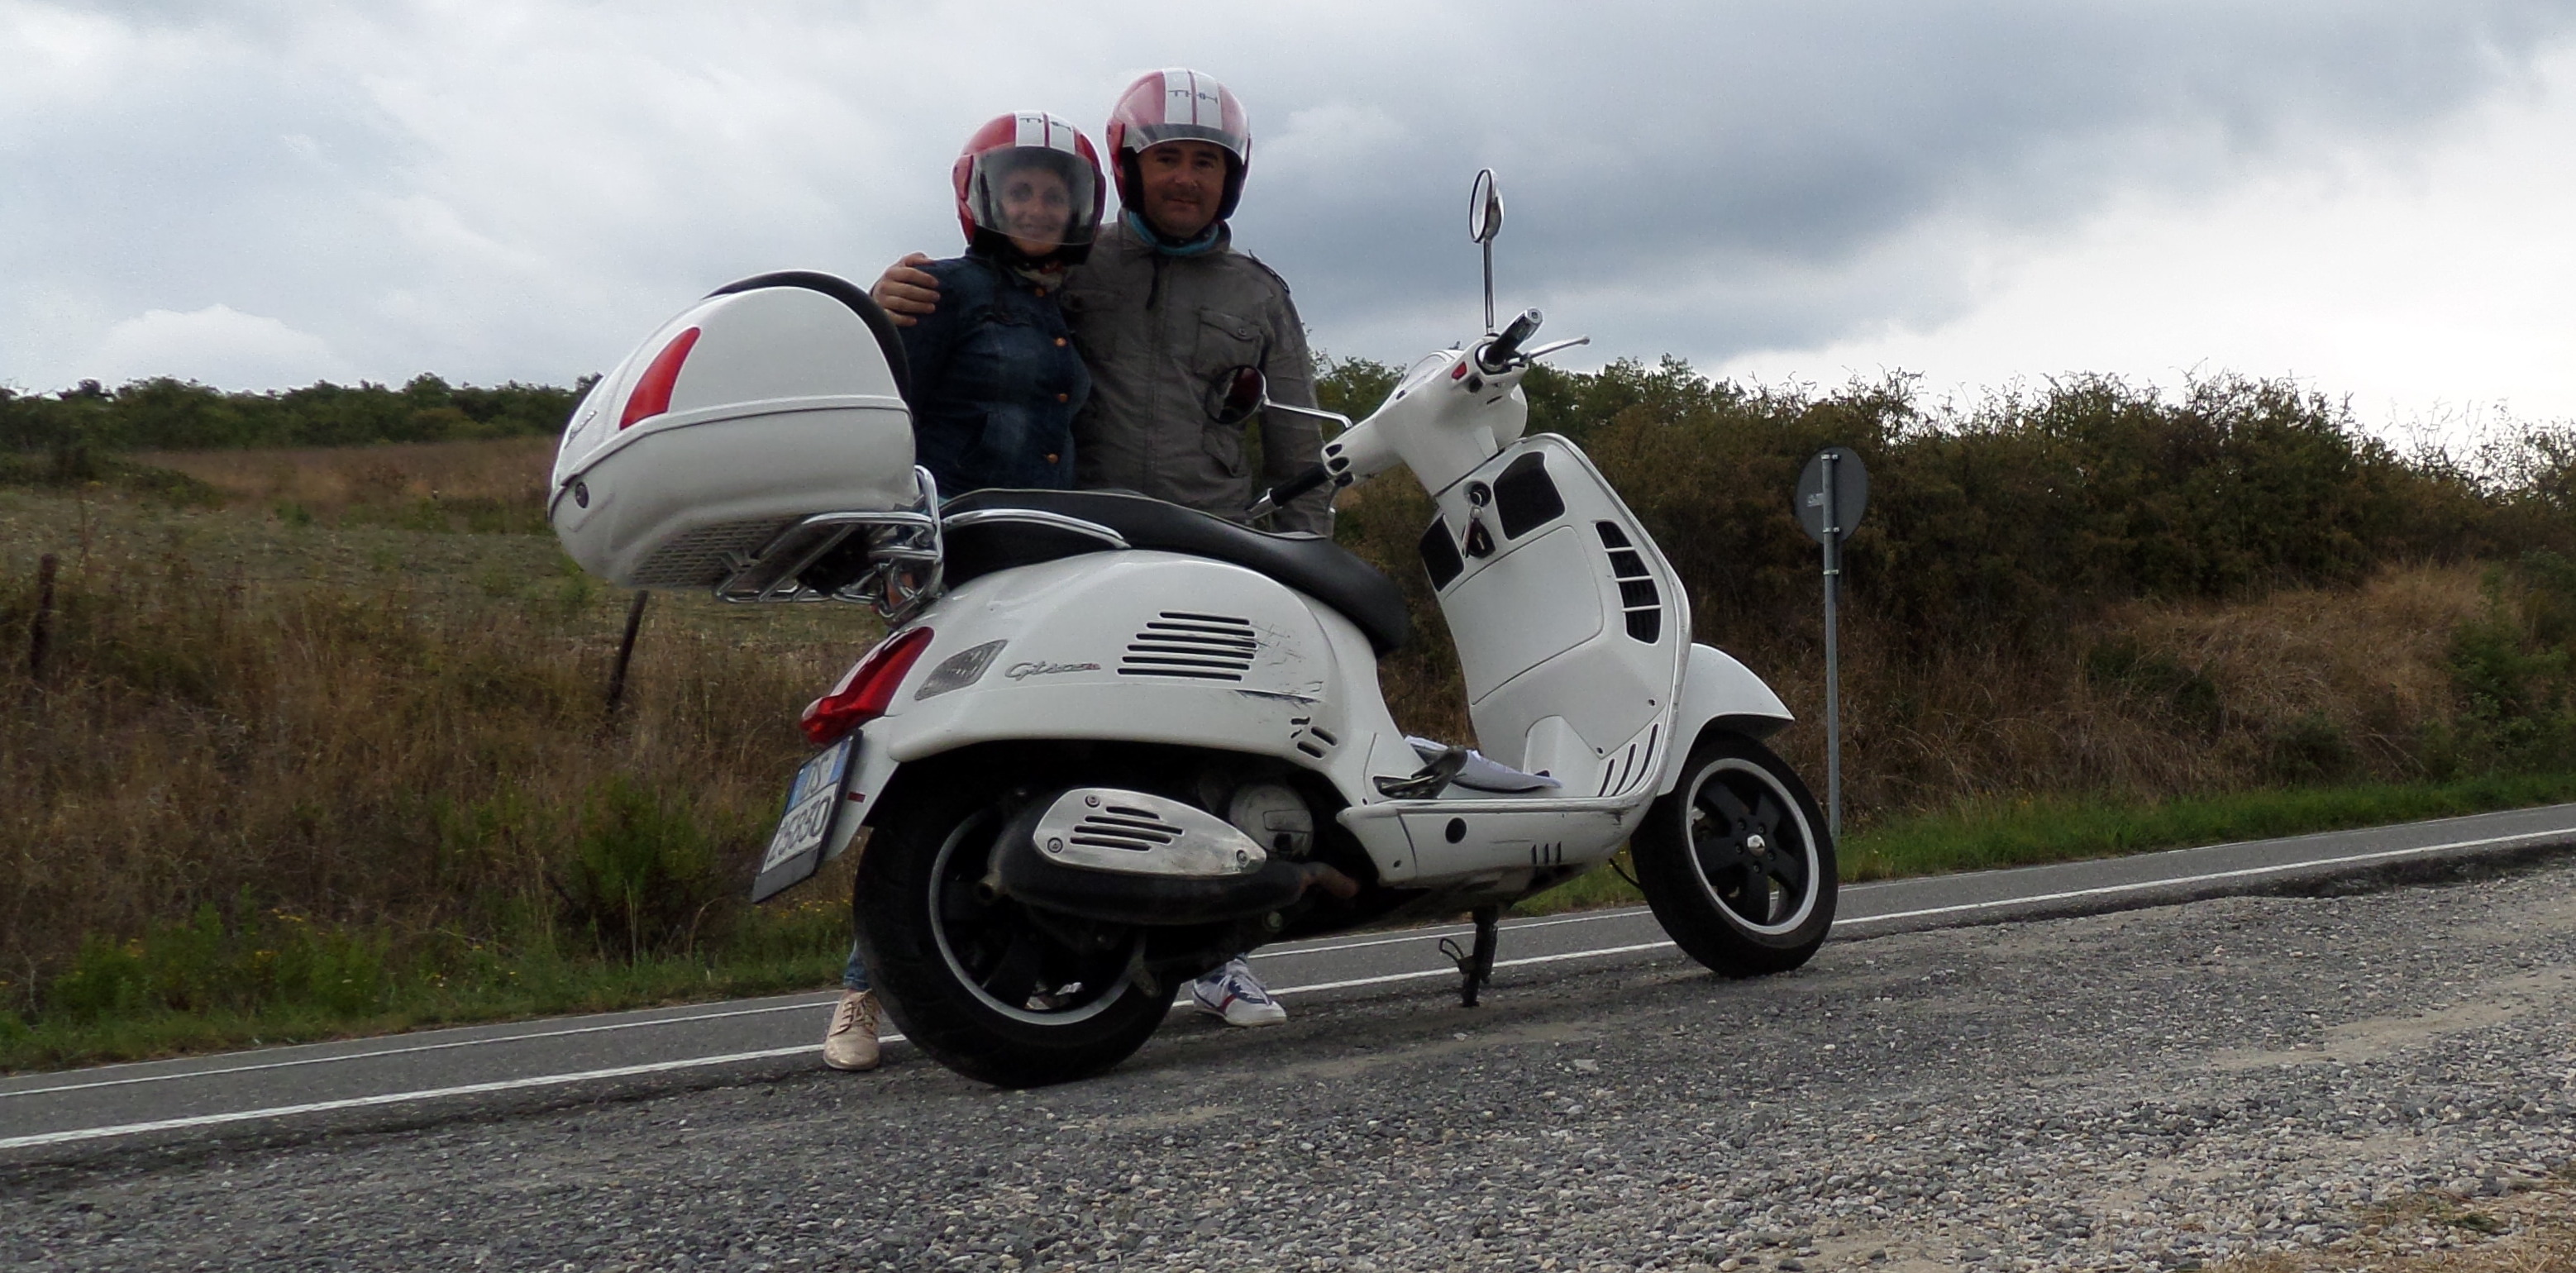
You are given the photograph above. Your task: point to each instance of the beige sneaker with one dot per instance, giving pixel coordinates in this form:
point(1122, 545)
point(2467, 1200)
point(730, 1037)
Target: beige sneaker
point(852, 1042)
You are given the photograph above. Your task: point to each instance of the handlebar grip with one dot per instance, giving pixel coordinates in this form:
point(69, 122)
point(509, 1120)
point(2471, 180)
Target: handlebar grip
point(1499, 352)
point(1299, 485)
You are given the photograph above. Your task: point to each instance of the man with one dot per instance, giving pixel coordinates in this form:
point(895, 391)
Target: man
point(1164, 305)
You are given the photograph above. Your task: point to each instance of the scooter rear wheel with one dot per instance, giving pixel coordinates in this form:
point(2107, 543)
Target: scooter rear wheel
point(979, 982)
point(1736, 862)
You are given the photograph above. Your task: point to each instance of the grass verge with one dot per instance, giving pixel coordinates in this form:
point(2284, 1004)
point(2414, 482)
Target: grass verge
point(217, 983)
point(2031, 831)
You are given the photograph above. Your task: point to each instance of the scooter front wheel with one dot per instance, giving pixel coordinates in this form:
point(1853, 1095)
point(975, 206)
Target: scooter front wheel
point(986, 986)
point(1736, 862)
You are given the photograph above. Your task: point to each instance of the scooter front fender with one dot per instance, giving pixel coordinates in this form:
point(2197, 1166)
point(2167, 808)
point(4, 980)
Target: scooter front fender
point(1717, 690)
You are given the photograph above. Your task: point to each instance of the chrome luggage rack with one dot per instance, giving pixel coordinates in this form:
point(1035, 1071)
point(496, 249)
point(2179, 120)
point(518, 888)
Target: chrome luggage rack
point(904, 555)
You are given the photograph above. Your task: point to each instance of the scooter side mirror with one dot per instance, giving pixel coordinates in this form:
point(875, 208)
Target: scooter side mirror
point(1234, 394)
point(1484, 209)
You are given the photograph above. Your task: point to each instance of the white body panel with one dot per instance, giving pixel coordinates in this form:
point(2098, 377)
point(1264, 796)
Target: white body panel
point(1308, 695)
point(1563, 672)
point(1562, 675)
point(783, 407)
point(1573, 636)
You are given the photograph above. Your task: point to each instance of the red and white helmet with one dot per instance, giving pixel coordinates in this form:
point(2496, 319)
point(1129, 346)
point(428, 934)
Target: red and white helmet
point(1179, 105)
point(1002, 181)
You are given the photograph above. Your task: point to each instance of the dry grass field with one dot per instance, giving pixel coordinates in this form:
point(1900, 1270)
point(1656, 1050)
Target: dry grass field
point(368, 753)
point(334, 479)
point(319, 743)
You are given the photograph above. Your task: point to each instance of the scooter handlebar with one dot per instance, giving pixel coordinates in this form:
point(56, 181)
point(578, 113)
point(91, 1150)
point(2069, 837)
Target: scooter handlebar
point(1278, 496)
point(1497, 354)
point(1313, 477)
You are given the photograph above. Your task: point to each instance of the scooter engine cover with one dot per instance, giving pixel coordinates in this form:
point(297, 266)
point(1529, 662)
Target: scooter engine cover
point(1127, 857)
point(1132, 833)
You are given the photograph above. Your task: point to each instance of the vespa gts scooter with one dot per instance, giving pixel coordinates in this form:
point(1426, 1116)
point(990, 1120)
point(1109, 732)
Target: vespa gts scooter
point(1110, 742)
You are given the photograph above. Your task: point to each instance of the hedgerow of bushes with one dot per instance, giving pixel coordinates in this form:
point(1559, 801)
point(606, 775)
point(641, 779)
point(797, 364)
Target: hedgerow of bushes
point(163, 414)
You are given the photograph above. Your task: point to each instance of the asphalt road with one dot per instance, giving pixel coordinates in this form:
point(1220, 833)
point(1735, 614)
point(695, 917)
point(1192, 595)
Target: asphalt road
point(426, 1076)
point(2150, 1088)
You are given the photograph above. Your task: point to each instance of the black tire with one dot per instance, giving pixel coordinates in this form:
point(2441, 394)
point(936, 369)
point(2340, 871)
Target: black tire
point(1736, 861)
point(972, 979)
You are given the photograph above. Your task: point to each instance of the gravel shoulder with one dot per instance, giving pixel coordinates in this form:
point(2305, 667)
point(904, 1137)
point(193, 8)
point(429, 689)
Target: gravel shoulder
point(2150, 1089)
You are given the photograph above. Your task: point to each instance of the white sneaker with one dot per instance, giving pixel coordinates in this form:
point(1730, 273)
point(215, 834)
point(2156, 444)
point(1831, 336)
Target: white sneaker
point(852, 1041)
point(1233, 995)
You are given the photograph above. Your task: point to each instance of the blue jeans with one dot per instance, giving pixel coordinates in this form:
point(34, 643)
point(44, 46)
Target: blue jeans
point(854, 974)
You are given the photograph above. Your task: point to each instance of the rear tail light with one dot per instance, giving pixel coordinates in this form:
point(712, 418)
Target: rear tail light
point(867, 689)
point(652, 394)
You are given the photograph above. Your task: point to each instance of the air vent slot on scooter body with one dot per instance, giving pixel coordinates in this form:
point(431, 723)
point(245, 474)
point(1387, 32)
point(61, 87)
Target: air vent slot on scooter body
point(1192, 647)
point(1631, 764)
point(1637, 596)
point(1309, 739)
point(1120, 827)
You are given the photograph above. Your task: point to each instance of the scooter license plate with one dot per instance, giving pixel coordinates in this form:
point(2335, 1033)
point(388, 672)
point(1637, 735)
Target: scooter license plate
point(813, 799)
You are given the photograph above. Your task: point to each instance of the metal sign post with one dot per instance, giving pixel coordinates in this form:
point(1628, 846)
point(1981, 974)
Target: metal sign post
point(1833, 492)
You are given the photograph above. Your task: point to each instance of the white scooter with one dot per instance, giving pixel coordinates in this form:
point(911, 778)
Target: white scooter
point(1110, 742)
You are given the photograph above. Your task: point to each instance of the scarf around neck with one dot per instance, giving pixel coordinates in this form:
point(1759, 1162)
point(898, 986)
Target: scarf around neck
point(1205, 241)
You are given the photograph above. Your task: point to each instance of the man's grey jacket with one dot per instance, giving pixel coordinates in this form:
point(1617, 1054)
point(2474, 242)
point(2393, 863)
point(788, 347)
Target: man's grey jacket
point(1155, 329)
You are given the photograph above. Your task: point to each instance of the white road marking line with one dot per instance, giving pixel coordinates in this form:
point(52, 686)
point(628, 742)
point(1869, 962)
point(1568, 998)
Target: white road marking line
point(1425, 934)
point(624, 1071)
point(1448, 930)
point(551, 1080)
point(1452, 972)
point(392, 1098)
point(412, 1049)
point(2242, 873)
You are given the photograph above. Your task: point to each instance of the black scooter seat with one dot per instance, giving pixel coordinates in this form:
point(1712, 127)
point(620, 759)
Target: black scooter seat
point(1311, 564)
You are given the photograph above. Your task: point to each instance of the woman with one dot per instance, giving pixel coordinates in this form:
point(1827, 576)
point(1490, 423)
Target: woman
point(995, 379)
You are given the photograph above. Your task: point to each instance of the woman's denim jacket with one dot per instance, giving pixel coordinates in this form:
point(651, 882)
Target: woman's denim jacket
point(995, 381)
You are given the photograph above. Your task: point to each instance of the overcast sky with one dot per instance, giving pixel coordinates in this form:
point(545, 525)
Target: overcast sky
point(2371, 197)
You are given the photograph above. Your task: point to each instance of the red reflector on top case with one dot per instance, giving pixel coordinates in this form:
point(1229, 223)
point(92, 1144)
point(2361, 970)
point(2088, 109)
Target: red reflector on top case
point(1459, 370)
point(652, 395)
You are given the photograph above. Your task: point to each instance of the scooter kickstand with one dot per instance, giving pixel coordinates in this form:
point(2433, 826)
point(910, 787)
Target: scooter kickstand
point(1476, 967)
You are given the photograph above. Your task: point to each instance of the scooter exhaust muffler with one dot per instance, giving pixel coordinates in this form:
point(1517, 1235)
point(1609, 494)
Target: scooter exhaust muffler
point(1128, 857)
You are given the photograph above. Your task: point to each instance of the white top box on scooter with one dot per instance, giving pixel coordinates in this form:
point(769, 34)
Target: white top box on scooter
point(772, 400)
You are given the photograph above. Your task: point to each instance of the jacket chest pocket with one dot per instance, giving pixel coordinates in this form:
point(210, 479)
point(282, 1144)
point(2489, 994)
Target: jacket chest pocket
point(1225, 341)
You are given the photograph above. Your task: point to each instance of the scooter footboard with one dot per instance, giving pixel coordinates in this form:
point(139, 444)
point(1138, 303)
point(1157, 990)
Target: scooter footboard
point(1718, 690)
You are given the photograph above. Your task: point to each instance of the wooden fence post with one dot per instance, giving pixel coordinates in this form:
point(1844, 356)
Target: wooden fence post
point(40, 635)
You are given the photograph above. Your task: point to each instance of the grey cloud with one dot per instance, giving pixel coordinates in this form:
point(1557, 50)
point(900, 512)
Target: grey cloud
point(1723, 148)
point(520, 190)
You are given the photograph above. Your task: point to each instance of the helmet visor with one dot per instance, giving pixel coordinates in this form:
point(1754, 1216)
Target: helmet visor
point(1039, 198)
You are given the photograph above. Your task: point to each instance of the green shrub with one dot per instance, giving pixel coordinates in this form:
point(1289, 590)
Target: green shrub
point(207, 965)
point(2155, 678)
point(2309, 750)
point(644, 877)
